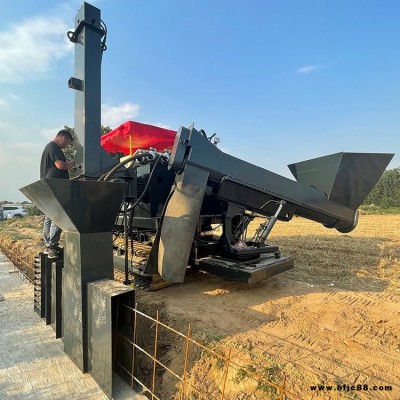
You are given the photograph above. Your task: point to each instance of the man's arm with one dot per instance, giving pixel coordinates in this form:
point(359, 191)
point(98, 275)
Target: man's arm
point(64, 164)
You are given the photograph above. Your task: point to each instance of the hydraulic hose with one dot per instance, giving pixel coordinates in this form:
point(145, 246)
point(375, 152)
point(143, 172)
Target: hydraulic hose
point(109, 174)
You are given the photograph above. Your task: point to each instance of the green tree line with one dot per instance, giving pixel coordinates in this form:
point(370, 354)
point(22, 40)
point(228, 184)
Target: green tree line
point(69, 151)
point(386, 193)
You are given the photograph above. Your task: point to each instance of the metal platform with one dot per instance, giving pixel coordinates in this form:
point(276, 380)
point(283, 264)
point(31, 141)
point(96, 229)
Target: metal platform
point(250, 271)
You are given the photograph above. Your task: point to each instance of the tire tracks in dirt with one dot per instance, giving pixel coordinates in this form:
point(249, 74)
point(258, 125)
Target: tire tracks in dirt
point(317, 334)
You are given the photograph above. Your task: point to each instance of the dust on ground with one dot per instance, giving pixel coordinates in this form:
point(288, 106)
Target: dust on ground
point(333, 319)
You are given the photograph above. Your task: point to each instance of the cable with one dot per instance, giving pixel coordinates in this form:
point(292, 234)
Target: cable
point(103, 45)
point(147, 184)
point(205, 243)
point(104, 30)
point(129, 230)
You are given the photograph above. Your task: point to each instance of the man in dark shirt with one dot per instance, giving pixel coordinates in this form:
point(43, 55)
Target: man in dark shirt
point(54, 165)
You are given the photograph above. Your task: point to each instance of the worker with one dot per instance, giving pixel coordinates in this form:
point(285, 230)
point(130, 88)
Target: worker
point(54, 165)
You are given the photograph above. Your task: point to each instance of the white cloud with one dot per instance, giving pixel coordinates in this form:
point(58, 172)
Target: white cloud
point(114, 116)
point(159, 124)
point(30, 49)
point(3, 103)
point(19, 166)
point(14, 96)
point(49, 134)
point(309, 68)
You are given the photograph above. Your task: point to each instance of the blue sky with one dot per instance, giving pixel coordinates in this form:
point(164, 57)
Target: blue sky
point(278, 81)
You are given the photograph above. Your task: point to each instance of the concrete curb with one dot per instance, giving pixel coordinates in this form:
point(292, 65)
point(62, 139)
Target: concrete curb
point(33, 364)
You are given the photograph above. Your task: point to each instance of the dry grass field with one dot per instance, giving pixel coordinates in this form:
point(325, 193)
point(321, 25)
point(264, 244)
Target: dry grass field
point(333, 319)
point(366, 259)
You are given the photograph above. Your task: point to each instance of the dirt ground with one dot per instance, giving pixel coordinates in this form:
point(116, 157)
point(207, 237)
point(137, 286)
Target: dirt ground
point(315, 334)
point(334, 319)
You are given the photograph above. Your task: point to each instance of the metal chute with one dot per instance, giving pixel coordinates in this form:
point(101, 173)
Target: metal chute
point(345, 178)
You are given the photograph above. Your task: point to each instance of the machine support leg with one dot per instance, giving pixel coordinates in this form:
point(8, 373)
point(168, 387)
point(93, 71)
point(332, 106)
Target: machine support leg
point(271, 223)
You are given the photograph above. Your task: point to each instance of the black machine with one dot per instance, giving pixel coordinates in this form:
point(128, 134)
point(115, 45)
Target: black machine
point(175, 208)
